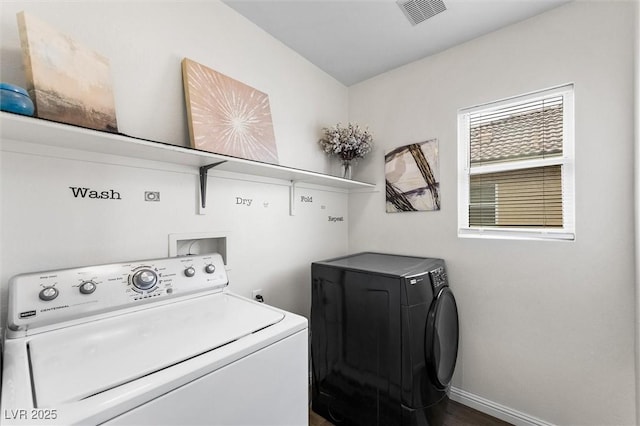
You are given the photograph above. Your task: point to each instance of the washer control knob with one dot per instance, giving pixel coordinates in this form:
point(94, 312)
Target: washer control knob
point(87, 287)
point(144, 279)
point(190, 271)
point(48, 293)
point(210, 268)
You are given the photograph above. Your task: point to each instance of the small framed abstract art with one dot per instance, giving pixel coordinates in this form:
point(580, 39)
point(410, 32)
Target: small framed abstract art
point(412, 174)
point(67, 81)
point(227, 116)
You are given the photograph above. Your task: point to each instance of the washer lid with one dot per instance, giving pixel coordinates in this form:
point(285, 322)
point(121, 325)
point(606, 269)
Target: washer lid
point(76, 362)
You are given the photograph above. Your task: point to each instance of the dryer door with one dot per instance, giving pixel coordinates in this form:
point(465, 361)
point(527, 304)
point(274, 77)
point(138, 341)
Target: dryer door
point(441, 343)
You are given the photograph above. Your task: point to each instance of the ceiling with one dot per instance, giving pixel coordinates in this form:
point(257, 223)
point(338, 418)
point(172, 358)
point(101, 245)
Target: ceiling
point(353, 40)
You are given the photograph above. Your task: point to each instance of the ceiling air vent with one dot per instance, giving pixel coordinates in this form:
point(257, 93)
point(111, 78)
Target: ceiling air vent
point(418, 11)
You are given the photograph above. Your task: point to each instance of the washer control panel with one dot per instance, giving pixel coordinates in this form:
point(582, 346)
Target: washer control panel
point(46, 298)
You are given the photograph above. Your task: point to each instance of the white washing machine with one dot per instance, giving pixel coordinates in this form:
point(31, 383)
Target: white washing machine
point(150, 342)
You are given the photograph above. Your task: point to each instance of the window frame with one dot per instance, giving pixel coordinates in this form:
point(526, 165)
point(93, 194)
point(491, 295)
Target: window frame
point(566, 161)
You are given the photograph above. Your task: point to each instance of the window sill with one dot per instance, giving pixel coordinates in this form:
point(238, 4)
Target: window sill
point(517, 234)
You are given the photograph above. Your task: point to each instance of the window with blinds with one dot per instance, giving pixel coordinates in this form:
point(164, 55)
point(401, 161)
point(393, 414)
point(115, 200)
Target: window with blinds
point(516, 177)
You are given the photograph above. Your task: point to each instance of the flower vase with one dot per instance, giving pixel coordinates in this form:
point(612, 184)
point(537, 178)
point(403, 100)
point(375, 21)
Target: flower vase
point(346, 169)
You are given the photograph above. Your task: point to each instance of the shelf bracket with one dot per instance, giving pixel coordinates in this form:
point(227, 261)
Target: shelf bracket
point(203, 181)
point(292, 198)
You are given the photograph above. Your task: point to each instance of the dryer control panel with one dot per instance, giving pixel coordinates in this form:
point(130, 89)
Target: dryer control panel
point(53, 297)
point(438, 279)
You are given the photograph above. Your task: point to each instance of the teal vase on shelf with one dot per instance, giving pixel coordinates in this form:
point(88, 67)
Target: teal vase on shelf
point(15, 99)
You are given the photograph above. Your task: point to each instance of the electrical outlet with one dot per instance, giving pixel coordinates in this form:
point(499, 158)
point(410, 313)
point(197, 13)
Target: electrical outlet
point(257, 295)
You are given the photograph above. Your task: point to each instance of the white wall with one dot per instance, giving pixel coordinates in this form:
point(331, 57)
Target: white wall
point(43, 227)
point(637, 202)
point(547, 328)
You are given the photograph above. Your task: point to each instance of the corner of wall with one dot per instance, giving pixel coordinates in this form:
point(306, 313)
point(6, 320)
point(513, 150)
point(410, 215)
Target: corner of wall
point(637, 200)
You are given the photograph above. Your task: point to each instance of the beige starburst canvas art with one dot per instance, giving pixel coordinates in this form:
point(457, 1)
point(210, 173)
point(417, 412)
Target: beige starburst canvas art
point(227, 116)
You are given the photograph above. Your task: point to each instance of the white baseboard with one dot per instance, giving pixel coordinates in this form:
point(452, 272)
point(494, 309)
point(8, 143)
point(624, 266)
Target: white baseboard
point(494, 409)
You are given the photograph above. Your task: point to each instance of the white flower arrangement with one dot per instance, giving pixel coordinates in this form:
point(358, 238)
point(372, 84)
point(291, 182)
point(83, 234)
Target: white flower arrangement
point(348, 143)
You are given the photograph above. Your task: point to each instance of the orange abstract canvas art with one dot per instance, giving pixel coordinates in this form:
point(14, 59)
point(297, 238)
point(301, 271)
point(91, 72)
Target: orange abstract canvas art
point(227, 116)
point(67, 82)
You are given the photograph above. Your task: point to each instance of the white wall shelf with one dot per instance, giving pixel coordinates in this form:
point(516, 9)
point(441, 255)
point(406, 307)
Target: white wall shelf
point(48, 133)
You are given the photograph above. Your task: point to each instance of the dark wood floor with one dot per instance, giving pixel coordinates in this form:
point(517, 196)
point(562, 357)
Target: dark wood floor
point(461, 415)
point(457, 415)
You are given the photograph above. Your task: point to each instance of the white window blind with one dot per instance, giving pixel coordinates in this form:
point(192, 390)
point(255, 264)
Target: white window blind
point(516, 167)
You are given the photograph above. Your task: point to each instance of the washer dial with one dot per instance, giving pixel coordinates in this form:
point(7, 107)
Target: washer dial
point(48, 293)
point(144, 279)
point(210, 268)
point(87, 287)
